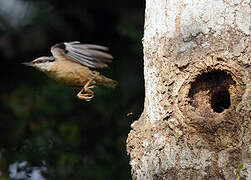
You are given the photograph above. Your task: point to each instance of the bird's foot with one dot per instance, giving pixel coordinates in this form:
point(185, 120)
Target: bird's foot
point(86, 97)
point(89, 93)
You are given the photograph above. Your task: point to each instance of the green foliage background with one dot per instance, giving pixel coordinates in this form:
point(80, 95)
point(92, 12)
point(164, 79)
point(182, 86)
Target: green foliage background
point(42, 121)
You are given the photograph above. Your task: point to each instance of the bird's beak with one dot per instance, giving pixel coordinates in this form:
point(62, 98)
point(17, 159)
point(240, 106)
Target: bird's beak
point(28, 63)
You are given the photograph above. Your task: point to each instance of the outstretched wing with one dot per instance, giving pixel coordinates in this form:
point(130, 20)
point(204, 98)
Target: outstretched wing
point(86, 54)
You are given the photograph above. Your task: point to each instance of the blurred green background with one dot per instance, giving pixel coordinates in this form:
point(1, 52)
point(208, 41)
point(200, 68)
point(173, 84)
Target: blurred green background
point(41, 121)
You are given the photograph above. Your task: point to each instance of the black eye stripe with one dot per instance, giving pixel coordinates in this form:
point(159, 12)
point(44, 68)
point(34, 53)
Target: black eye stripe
point(36, 62)
point(43, 61)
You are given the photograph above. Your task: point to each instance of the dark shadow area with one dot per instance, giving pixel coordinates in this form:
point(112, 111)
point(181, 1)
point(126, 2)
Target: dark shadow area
point(220, 101)
point(211, 90)
point(43, 124)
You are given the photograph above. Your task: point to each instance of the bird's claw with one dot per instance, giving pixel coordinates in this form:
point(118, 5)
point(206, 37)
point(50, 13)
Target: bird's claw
point(89, 93)
point(86, 97)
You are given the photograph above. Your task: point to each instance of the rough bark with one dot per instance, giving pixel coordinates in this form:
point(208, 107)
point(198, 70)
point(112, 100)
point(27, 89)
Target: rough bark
point(196, 119)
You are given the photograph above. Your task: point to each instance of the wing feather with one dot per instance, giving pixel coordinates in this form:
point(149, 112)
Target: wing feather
point(86, 54)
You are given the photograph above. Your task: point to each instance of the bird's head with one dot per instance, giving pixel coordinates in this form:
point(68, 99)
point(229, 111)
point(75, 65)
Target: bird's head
point(41, 63)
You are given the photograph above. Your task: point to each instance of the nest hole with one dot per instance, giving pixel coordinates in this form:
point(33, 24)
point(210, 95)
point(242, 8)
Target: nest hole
point(220, 101)
point(211, 90)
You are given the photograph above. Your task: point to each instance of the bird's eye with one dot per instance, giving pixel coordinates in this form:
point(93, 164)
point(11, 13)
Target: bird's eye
point(38, 61)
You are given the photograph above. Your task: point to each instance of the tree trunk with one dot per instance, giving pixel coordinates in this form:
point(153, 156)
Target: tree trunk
point(196, 119)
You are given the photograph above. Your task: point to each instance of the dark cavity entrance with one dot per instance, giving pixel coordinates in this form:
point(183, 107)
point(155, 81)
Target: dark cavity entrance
point(220, 101)
point(211, 91)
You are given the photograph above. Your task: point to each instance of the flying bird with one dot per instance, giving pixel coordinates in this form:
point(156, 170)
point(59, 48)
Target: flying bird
point(72, 63)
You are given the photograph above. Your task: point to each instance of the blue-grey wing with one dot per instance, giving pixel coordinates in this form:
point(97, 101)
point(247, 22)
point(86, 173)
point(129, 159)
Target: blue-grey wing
point(90, 55)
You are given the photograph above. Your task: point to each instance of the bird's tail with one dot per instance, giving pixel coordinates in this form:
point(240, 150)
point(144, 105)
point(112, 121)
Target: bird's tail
point(102, 80)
